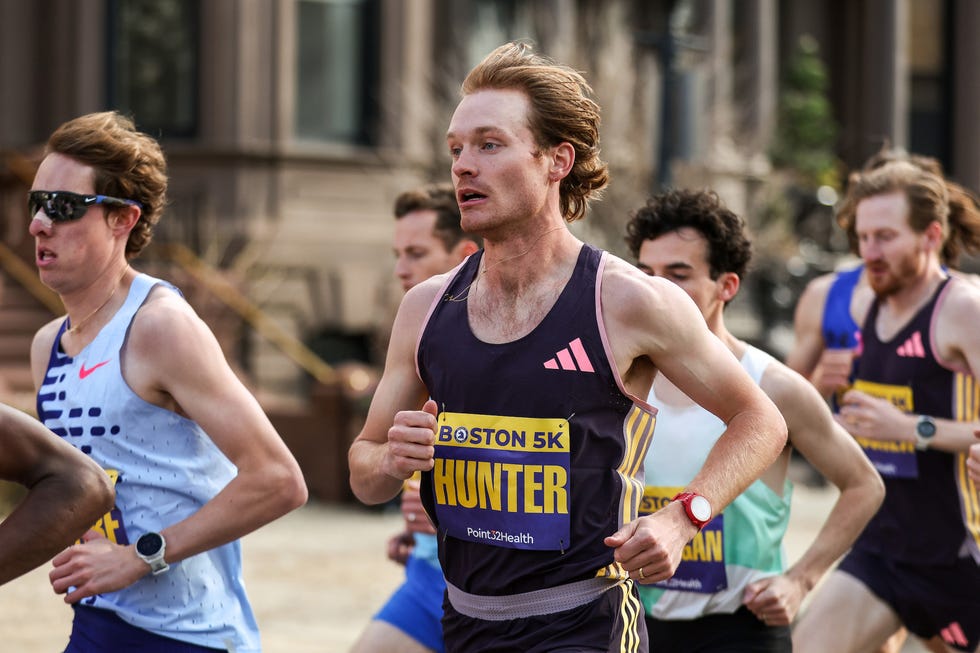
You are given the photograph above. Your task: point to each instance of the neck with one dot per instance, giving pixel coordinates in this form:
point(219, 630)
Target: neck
point(915, 293)
point(95, 303)
point(522, 261)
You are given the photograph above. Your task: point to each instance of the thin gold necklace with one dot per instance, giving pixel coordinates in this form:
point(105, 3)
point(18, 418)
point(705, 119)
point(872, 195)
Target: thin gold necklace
point(75, 328)
point(465, 292)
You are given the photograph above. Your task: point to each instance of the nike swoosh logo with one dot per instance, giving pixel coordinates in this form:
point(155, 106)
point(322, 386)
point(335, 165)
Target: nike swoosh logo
point(82, 373)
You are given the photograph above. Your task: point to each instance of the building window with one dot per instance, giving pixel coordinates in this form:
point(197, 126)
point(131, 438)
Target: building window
point(337, 71)
point(153, 56)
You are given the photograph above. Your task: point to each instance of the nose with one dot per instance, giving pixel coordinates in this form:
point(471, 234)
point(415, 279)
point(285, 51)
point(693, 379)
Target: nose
point(462, 165)
point(40, 223)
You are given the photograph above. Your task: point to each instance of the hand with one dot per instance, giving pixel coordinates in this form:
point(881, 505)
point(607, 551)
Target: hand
point(650, 547)
point(95, 566)
point(411, 442)
point(775, 601)
point(865, 416)
point(973, 461)
point(833, 371)
point(400, 547)
point(416, 519)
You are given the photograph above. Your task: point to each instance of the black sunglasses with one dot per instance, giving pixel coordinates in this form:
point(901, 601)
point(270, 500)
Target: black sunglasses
point(62, 206)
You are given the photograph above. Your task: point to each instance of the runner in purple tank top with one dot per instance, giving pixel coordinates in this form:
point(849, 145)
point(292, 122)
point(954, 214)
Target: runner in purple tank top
point(537, 355)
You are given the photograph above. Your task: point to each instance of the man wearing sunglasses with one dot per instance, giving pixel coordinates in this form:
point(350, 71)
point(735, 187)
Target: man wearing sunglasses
point(134, 378)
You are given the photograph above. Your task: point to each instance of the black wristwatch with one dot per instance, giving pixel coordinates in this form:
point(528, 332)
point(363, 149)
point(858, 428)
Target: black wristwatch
point(925, 429)
point(150, 547)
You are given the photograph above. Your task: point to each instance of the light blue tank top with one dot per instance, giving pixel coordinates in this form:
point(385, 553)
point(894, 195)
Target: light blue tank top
point(738, 547)
point(165, 467)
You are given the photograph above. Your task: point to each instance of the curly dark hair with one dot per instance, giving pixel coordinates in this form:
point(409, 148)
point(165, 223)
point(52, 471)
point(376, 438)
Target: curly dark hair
point(729, 248)
point(561, 112)
point(440, 198)
point(128, 164)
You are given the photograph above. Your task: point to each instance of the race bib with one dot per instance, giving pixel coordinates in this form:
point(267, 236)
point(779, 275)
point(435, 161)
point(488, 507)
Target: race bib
point(891, 458)
point(702, 567)
point(503, 481)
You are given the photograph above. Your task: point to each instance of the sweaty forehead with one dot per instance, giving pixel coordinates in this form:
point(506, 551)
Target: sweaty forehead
point(60, 172)
point(503, 110)
point(887, 208)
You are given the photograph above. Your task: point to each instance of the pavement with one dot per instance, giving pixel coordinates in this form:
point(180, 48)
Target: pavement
point(315, 578)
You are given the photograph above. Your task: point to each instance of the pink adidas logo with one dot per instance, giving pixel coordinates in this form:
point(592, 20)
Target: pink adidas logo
point(953, 634)
point(912, 348)
point(568, 357)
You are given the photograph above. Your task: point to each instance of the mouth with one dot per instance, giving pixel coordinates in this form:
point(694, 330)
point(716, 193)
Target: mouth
point(45, 255)
point(466, 196)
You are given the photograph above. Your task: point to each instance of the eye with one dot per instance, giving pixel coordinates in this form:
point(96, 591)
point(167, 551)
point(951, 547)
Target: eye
point(455, 151)
point(490, 147)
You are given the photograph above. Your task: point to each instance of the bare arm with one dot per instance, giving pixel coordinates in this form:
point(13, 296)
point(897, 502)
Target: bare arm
point(398, 437)
point(66, 493)
point(663, 325)
point(808, 342)
point(829, 448)
point(173, 360)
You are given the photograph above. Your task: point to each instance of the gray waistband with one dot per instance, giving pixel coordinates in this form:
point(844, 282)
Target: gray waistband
point(529, 604)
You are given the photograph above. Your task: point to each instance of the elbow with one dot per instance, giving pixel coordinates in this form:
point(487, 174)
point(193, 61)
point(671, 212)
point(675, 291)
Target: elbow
point(876, 489)
point(295, 492)
point(291, 490)
point(96, 487)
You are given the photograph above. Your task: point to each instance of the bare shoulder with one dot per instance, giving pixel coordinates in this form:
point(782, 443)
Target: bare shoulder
point(418, 300)
point(646, 316)
point(786, 387)
point(164, 317)
point(44, 338)
point(960, 310)
point(963, 295)
point(955, 326)
point(626, 289)
point(969, 277)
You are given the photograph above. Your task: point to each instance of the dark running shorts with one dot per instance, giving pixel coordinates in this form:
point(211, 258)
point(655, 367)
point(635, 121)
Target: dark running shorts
point(101, 631)
point(929, 599)
point(613, 623)
point(739, 632)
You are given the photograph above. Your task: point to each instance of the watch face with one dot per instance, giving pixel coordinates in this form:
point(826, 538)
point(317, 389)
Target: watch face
point(149, 544)
point(701, 508)
point(925, 427)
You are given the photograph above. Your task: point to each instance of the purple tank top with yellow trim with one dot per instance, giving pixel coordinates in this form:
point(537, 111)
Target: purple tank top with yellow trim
point(539, 450)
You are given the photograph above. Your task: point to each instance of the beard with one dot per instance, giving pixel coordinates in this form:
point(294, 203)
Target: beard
point(886, 280)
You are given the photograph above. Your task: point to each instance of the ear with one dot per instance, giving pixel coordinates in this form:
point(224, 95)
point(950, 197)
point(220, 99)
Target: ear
point(124, 218)
point(728, 284)
point(934, 235)
point(562, 160)
point(464, 248)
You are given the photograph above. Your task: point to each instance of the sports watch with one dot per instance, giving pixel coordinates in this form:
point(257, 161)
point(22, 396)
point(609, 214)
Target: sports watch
point(150, 547)
point(925, 429)
point(696, 506)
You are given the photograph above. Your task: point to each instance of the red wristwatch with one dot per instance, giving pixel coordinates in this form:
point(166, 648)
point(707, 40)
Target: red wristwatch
point(696, 506)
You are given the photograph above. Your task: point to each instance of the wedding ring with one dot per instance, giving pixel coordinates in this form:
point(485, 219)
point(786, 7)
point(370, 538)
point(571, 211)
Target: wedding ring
point(642, 577)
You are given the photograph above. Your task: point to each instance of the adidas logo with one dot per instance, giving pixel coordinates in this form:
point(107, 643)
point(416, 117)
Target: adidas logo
point(567, 358)
point(912, 348)
point(953, 634)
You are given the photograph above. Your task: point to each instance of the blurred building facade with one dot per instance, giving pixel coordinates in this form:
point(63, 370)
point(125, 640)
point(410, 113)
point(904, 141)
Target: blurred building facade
point(291, 125)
